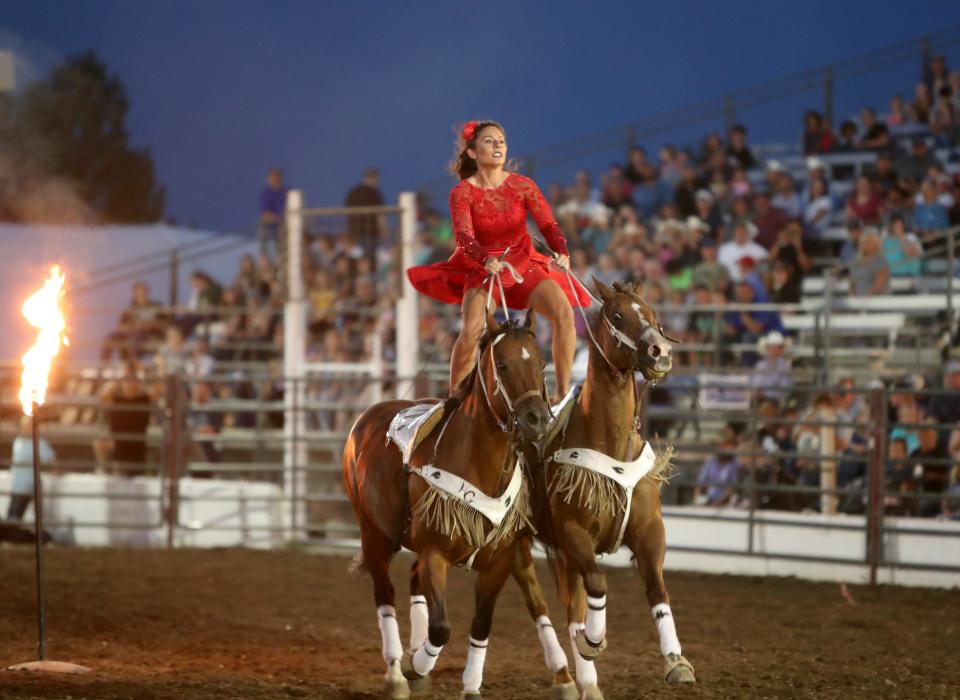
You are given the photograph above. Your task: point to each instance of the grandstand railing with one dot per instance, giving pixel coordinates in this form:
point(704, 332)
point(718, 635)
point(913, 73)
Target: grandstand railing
point(185, 483)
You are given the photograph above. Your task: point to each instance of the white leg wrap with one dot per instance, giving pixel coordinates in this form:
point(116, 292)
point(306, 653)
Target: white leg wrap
point(663, 619)
point(425, 658)
point(586, 671)
point(596, 629)
point(390, 633)
point(419, 620)
point(552, 651)
point(473, 671)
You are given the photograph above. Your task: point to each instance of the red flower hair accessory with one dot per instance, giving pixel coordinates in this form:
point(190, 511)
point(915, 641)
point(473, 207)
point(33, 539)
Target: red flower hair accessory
point(469, 130)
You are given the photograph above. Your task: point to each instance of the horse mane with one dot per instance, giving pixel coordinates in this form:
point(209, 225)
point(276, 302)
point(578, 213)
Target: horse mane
point(460, 393)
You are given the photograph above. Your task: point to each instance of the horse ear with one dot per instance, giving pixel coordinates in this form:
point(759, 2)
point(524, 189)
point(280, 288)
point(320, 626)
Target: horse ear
point(530, 322)
point(603, 291)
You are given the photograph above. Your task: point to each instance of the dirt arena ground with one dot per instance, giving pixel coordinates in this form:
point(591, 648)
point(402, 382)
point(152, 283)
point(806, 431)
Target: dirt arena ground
point(246, 624)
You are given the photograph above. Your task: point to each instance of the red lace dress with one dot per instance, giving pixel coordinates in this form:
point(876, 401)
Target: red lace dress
point(485, 222)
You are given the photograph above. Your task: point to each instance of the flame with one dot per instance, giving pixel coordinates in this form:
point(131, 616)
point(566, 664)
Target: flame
point(42, 310)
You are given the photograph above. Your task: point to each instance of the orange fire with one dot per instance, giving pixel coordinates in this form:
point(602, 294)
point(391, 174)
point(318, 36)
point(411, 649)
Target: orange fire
point(42, 310)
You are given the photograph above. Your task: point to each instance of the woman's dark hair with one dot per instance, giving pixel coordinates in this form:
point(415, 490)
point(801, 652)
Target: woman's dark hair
point(462, 165)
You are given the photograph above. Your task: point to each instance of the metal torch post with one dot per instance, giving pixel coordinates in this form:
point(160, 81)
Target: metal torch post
point(38, 527)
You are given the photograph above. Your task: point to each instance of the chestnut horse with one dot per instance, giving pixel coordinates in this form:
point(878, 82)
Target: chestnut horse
point(501, 403)
point(586, 513)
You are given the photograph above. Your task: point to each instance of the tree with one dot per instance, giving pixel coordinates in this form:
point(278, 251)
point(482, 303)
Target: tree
point(65, 154)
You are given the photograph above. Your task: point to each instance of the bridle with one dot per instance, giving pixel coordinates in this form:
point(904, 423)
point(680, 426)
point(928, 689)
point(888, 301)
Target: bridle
point(507, 424)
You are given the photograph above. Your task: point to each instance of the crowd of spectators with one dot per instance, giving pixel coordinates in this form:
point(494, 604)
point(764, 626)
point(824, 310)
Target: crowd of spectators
point(788, 445)
point(715, 226)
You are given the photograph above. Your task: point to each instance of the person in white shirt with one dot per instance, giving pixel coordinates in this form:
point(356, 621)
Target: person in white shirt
point(740, 247)
point(818, 208)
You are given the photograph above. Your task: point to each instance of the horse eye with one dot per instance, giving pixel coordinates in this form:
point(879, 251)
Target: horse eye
point(501, 365)
point(617, 317)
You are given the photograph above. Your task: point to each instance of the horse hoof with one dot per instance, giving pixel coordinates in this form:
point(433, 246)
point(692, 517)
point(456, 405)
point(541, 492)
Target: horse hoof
point(678, 670)
point(395, 685)
point(415, 681)
point(565, 691)
point(470, 695)
point(588, 649)
point(591, 692)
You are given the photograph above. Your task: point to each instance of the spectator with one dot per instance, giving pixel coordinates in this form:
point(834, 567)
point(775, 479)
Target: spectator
point(869, 272)
point(365, 230)
point(848, 140)
point(936, 74)
point(127, 408)
point(851, 246)
point(21, 468)
point(915, 166)
point(273, 203)
point(651, 192)
point(747, 326)
point(200, 362)
point(768, 219)
point(876, 135)
point(171, 358)
point(720, 473)
point(140, 325)
point(786, 198)
point(818, 208)
point(930, 215)
point(672, 163)
point(944, 123)
point(865, 203)
point(883, 175)
point(617, 190)
point(901, 249)
point(816, 134)
point(685, 193)
point(945, 407)
point(897, 116)
point(899, 478)
point(203, 423)
point(709, 272)
point(738, 148)
point(637, 170)
point(205, 296)
point(707, 210)
point(772, 375)
point(741, 246)
point(931, 468)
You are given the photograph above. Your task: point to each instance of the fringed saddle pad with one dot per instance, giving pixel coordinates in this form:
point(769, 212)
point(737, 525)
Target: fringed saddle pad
point(412, 425)
point(457, 508)
point(594, 481)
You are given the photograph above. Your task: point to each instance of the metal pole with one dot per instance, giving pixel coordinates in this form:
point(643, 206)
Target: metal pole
point(174, 278)
point(828, 310)
point(38, 527)
point(174, 454)
point(407, 323)
point(294, 349)
point(875, 485)
point(828, 94)
point(951, 271)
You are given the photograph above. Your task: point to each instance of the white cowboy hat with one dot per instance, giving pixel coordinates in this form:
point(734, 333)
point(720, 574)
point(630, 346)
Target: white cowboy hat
point(773, 338)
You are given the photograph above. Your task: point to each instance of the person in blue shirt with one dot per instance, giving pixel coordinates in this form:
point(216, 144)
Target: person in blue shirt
point(929, 215)
point(21, 469)
point(747, 326)
point(273, 202)
point(902, 249)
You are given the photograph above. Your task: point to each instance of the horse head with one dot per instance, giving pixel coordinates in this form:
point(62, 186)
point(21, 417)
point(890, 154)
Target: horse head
point(511, 371)
point(633, 339)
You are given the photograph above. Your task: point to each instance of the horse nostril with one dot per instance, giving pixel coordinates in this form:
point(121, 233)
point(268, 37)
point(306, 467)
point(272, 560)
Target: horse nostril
point(654, 351)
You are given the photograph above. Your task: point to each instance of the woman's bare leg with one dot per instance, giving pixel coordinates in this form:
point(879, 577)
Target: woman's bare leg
point(548, 300)
point(465, 348)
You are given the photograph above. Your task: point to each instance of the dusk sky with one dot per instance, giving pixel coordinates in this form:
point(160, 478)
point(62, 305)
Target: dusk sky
point(221, 90)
